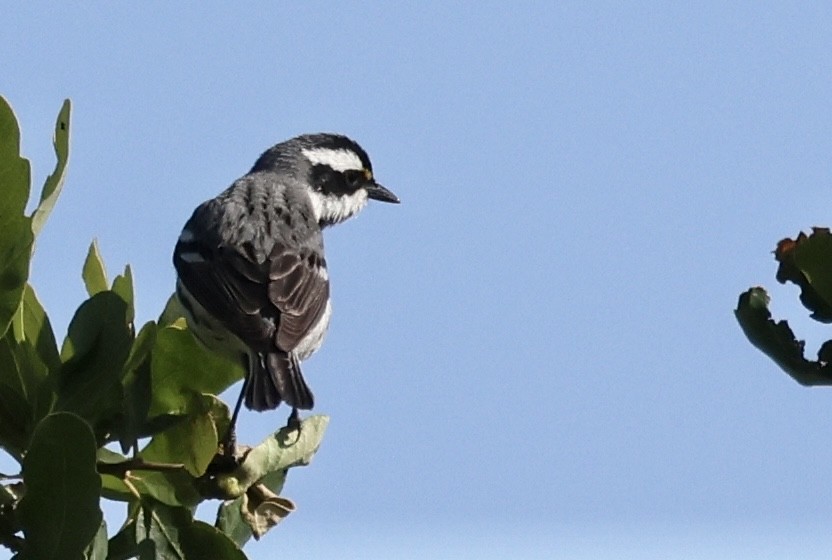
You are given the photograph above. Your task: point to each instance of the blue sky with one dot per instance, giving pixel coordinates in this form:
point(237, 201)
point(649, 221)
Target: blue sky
point(534, 355)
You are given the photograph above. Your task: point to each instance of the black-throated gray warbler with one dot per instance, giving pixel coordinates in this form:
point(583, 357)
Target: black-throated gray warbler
point(252, 277)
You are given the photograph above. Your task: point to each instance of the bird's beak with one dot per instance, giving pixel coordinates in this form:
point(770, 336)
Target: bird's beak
point(378, 192)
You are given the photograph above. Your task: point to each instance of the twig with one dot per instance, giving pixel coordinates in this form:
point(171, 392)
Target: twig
point(133, 490)
point(137, 464)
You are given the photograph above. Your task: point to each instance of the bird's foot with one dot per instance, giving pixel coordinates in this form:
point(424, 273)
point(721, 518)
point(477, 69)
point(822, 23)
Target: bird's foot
point(226, 459)
point(293, 423)
point(229, 442)
point(222, 463)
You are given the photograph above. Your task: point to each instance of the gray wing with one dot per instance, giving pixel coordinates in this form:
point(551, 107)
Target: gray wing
point(270, 305)
point(299, 288)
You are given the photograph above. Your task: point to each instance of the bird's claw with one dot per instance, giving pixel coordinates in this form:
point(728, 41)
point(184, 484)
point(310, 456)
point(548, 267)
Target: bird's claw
point(293, 423)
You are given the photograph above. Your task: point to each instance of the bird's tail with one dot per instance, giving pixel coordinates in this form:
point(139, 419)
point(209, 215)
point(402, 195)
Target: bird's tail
point(276, 378)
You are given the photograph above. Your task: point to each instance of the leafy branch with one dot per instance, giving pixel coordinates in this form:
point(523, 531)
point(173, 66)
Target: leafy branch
point(61, 407)
point(803, 261)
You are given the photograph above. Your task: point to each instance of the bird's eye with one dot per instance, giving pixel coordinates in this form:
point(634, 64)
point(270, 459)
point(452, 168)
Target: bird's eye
point(353, 178)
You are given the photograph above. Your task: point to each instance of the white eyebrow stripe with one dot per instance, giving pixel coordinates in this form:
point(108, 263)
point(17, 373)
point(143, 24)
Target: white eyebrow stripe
point(339, 160)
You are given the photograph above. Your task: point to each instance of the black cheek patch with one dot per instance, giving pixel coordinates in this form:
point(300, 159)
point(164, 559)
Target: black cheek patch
point(327, 180)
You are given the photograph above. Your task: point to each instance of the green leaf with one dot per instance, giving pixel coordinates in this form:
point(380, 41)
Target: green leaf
point(136, 385)
point(15, 171)
point(172, 312)
point(182, 368)
point(230, 521)
point(14, 406)
point(36, 354)
point(37, 329)
point(16, 236)
point(123, 544)
point(286, 448)
point(123, 286)
point(140, 352)
point(259, 480)
point(161, 525)
point(112, 487)
point(25, 393)
point(777, 340)
point(805, 262)
point(192, 442)
point(16, 241)
point(53, 184)
point(201, 540)
point(172, 488)
point(176, 536)
point(282, 450)
point(97, 549)
point(98, 341)
point(93, 273)
point(187, 440)
point(220, 414)
point(246, 516)
point(59, 513)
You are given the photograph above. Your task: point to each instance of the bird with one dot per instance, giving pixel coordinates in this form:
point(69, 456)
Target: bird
point(252, 279)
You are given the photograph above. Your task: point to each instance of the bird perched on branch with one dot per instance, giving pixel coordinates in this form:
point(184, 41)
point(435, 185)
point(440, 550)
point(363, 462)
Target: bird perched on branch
point(252, 277)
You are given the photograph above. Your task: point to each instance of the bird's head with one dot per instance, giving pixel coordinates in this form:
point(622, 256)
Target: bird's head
point(336, 170)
